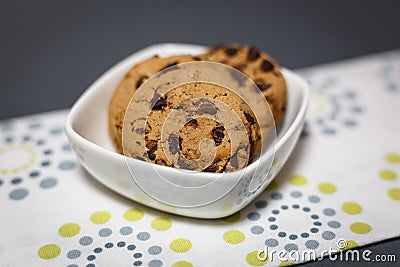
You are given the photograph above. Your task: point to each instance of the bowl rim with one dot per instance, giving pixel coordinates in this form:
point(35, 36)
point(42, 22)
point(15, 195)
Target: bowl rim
point(74, 135)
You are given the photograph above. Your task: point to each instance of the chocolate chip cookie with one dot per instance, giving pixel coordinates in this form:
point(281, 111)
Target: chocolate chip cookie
point(128, 86)
point(193, 113)
point(259, 67)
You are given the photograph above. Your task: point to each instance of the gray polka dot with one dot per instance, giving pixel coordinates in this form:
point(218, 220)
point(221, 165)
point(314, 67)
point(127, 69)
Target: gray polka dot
point(35, 125)
point(296, 194)
point(290, 247)
point(276, 196)
point(6, 126)
point(155, 250)
point(104, 232)
point(155, 263)
point(85, 240)
point(314, 199)
point(143, 236)
point(66, 147)
point(271, 242)
point(334, 224)
point(67, 165)
point(253, 216)
point(349, 123)
point(329, 212)
point(328, 235)
point(281, 234)
point(73, 254)
point(18, 194)
point(126, 230)
point(48, 183)
point(392, 86)
point(329, 131)
point(350, 94)
point(72, 265)
point(261, 204)
point(56, 131)
point(312, 244)
point(257, 230)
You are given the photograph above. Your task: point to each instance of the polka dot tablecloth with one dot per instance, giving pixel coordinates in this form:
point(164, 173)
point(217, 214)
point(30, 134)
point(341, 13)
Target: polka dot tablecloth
point(341, 183)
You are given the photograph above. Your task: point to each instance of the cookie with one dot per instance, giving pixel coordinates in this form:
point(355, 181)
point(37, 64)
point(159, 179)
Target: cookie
point(196, 112)
point(260, 68)
point(130, 83)
point(198, 143)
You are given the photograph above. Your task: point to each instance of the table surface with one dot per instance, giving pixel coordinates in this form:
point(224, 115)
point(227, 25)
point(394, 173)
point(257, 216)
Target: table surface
point(52, 51)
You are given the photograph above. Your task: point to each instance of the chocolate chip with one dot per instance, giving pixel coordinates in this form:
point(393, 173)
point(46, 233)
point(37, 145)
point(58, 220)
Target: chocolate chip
point(180, 143)
point(171, 66)
point(231, 51)
point(173, 142)
point(252, 147)
point(158, 102)
point(207, 108)
point(152, 147)
point(266, 66)
point(234, 161)
point(192, 122)
point(218, 135)
point(263, 86)
point(141, 80)
point(196, 58)
point(211, 168)
point(240, 67)
point(249, 118)
point(253, 54)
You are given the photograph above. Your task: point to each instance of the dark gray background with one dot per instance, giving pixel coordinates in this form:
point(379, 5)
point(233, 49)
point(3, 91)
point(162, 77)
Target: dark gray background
point(50, 51)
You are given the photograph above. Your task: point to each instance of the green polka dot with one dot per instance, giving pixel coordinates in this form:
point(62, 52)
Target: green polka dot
point(180, 245)
point(69, 230)
point(286, 263)
point(133, 215)
point(360, 228)
point(297, 180)
point(394, 193)
point(350, 244)
point(49, 251)
point(393, 157)
point(100, 217)
point(182, 264)
point(327, 188)
point(351, 208)
point(234, 237)
point(161, 224)
point(387, 174)
point(253, 260)
point(273, 185)
point(232, 218)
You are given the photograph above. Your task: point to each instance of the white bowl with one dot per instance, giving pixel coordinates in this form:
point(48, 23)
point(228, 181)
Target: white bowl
point(87, 131)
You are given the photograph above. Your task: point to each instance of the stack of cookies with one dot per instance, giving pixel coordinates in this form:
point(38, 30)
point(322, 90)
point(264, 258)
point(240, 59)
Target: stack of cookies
point(258, 66)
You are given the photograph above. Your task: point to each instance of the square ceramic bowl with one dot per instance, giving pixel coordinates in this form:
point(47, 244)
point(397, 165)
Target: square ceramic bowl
point(87, 131)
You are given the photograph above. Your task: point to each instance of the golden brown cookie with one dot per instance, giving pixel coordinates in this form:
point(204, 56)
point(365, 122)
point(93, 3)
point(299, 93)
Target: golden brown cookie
point(259, 67)
point(197, 111)
point(130, 83)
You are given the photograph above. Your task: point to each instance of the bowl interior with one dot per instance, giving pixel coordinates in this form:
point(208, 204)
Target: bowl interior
point(89, 118)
